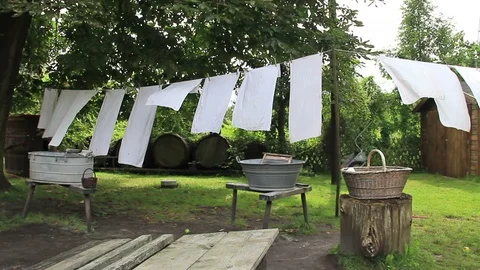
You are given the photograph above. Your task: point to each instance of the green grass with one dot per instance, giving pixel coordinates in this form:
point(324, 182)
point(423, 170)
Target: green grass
point(447, 236)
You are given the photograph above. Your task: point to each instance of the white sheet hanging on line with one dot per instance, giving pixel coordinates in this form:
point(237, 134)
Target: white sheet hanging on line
point(453, 110)
point(415, 79)
point(174, 95)
point(213, 104)
point(81, 99)
point(50, 97)
point(137, 134)
point(472, 78)
point(305, 109)
point(253, 108)
point(107, 117)
point(64, 102)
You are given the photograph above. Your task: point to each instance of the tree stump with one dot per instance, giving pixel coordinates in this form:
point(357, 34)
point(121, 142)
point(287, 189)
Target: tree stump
point(375, 227)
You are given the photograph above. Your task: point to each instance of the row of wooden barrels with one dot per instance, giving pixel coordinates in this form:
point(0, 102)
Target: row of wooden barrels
point(172, 151)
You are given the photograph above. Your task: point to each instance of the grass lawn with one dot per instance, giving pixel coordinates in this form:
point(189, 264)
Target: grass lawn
point(447, 236)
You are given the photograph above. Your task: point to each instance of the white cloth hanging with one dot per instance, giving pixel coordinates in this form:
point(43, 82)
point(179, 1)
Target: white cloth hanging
point(305, 109)
point(107, 117)
point(50, 97)
point(253, 107)
point(415, 79)
point(79, 99)
point(64, 102)
point(472, 78)
point(213, 103)
point(137, 134)
point(453, 110)
point(174, 95)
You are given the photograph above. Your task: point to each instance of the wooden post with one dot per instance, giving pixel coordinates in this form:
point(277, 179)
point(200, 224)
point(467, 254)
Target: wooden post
point(375, 227)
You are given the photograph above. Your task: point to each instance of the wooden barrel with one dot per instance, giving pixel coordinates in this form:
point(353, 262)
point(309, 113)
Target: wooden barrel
point(211, 151)
point(21, 137)
point(255, 150)
point(171, 151)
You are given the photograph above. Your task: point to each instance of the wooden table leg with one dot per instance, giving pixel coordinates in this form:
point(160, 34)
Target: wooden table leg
point(234, 205)
point(29, 200)
point(305, 207)
point(266, 217)
point(88, 213)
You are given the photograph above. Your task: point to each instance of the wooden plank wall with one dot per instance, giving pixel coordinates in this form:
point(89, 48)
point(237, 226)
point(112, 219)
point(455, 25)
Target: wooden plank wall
point(445, 150)
point(474, 147)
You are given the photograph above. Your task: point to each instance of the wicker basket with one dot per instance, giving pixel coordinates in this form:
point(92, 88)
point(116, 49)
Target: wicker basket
point(376, 182)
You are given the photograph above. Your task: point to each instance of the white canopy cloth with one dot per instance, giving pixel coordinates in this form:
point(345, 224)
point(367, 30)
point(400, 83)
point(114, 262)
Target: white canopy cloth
point(50, 97)
point(253, 108)
point(137, 134)
point(472, 78)
point(305, 110)
point(105, 126)
point(213, 104)
point(69, 104)
point(174, 95)
point(415, 79)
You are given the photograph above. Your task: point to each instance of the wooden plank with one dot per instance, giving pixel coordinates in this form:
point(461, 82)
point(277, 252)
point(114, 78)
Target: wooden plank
point(82, 258)
point(238, 186)
point(270, 196)
point(242, 250)
point(117, 254)
point(182, 253)
point(62, 256)
point(141, 254)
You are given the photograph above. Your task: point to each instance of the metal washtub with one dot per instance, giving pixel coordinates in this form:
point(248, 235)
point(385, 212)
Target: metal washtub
point(61, 167)
point(272, 175)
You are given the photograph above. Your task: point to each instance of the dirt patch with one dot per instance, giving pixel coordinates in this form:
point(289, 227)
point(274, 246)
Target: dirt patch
point(31, 244)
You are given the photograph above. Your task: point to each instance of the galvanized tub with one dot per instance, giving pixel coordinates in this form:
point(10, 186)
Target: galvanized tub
point(271, 175)
point(61, 167)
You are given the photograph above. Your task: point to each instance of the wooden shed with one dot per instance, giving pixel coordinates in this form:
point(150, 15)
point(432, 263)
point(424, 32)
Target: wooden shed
point(448, 151)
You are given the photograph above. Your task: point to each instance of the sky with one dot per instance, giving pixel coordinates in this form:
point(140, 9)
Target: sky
point(381, 25)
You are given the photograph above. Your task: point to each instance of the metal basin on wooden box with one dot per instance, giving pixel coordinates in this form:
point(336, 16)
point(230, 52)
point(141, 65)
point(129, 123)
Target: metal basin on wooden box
point(271, 175)
point(60, 167)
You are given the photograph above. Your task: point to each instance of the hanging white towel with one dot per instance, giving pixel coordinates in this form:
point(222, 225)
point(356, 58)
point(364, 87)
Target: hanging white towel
point(137, 134)
point(415, 79)
point(174, 95)
point(213, 104)
point(81, 99)
point(105, 126)
point(64, 102)
point(50, 97)
point(305, 110)
point(253, 107)
point(472, 78)
point(453, 110)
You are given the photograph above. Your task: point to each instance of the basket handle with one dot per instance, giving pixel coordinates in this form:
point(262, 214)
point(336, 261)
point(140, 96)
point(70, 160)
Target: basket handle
point(94, 174)
point(381, 155)
point(238, 159)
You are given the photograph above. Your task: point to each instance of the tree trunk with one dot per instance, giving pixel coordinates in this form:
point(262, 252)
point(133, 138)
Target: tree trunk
point(375, 227)
point(13, 33)
point(282, 119)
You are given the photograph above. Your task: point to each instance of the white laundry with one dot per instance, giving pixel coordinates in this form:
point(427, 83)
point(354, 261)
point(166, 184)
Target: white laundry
point(453, 110)
point(415, 79)
point(64, 102)
point(107, 117)
point(305, 110)
point(174, 95)
point(253, 107)
point(213, 104)
point(80, 99)
point(50, 97)
point(472, 78)
point(137, 134)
